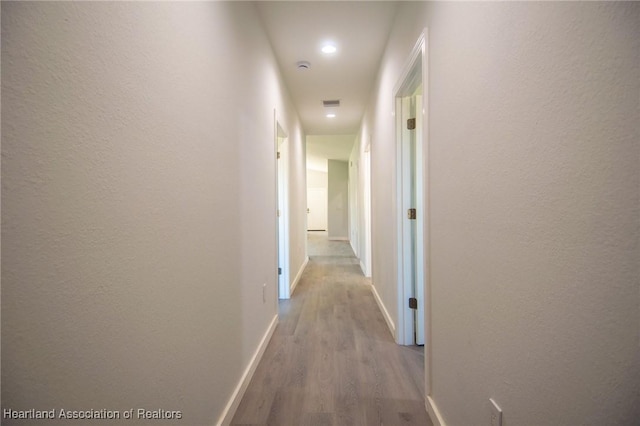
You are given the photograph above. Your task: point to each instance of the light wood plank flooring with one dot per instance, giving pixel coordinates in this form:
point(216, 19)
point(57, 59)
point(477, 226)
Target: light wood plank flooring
point(332, 360)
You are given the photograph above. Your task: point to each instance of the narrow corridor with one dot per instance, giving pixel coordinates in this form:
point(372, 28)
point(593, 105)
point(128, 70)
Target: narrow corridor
point(332, 359)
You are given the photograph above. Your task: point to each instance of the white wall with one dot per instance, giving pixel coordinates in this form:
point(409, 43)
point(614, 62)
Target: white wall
point(317, 179)
point(297, 182)
point(338, 200)
point(534, 202)
point(137, 146)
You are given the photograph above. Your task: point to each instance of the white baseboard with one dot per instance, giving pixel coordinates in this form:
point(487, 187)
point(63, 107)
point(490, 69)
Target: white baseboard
point(434, 414)
point(298, 276)
point(364, 270)
point(385, 313)
point(238, 393)
point(353, 248)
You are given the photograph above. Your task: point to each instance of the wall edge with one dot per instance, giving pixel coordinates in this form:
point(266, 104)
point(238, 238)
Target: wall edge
point(385, 313)
point(238, 393)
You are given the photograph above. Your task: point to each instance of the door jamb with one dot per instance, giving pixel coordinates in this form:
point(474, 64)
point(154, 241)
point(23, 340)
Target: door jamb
point(282, 235)
point(418, 59)
point(367, 270)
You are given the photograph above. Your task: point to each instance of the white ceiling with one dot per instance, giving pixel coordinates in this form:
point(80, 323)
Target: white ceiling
point(321, 148)
point(297, 30)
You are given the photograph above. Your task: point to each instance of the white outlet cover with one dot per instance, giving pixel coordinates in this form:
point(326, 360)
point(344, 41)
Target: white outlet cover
point(496, 413)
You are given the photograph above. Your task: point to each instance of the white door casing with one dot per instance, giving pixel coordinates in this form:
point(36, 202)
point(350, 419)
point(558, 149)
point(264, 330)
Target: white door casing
point(413, 260)
point(282, 268)
point(367, 210)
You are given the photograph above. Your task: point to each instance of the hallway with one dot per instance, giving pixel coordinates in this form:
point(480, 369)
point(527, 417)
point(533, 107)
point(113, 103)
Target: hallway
point(332, 360)
point(155, 170)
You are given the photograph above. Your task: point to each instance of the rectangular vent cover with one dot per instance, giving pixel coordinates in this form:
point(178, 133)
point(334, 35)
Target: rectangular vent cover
point(331, 103)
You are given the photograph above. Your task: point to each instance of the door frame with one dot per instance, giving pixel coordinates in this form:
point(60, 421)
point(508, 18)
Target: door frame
point(414, 74)
point(282, 206)
point(366, 161)
point(354, 206)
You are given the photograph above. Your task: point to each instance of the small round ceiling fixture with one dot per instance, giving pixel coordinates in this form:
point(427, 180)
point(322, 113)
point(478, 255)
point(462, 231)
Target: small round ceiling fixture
point(303, 65)
point(331, 115)
point(329, 48)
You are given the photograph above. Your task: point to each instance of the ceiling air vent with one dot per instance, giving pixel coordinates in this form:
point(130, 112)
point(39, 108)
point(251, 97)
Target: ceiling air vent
point(303, 65)
point(331, 104)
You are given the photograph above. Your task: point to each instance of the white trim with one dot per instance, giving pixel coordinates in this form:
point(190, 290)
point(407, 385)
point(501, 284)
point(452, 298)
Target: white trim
point(338, 238)
point(367, 208)
point(364, 268)
point(434, 413)
point(407, 69)
point(385, 313)
point(353, 248)
point(298, 276)
point(238, 393)
point(413, 74)
point(282, 205)
point(428, 303)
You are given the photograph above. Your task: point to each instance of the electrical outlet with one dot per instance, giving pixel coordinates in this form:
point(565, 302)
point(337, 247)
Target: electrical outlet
point(264, 293)
point(496, 413)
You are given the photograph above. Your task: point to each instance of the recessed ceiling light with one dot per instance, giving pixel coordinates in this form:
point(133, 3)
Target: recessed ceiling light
point(329, 48)
point(331, 115)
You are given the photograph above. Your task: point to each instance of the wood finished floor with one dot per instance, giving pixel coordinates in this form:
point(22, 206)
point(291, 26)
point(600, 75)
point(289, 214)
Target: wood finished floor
point(332, 360)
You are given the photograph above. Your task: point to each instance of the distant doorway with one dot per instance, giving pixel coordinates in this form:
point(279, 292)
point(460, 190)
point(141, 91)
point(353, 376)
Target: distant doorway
point(316, 209)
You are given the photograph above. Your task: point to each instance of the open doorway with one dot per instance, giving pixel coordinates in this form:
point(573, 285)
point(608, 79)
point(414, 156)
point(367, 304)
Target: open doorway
point(328, 175)
point(411, 200)
point(282, 222)
point(412, 203)
point(414, 304)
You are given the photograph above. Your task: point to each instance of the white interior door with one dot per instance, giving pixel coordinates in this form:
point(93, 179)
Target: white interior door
point(419, 267)
point(412, 200)
point(317, 209)
point(282, 216)
point(411, 227)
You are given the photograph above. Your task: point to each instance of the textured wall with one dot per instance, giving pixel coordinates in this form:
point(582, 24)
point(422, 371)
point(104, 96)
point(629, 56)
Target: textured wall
point(298, 195)
point(535, 206)
point(133, 159)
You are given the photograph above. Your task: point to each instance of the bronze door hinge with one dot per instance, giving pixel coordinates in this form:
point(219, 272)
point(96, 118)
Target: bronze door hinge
point(413, 303)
